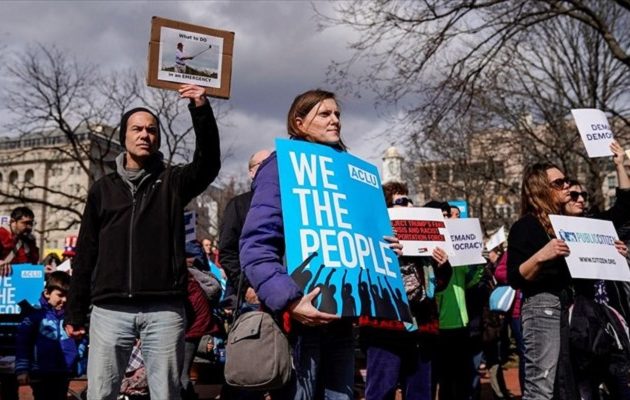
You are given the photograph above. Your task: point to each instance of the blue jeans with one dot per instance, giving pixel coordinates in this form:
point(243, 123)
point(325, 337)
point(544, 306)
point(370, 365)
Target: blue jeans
point(541, 318)
point(113, 330)
point(391, 363)
point(324, 362)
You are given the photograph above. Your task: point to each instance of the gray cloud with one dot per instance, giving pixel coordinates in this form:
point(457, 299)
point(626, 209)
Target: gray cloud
point(278, 54)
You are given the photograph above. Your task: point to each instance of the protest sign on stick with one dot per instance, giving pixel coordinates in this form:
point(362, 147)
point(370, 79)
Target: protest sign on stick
point(190, 225)
point(335, 217)
point(182, 53)
point(592, 245)
point(594, 130)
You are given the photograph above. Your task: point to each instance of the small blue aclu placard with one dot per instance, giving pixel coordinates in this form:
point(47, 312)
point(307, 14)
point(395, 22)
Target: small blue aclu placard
point(335, 218)
point(25, 283)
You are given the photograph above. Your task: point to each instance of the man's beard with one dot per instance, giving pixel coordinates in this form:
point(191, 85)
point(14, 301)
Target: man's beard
point(28, 236)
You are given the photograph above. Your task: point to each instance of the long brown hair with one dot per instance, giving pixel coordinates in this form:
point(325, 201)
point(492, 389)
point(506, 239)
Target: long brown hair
point(537, 195)
point(302, 105)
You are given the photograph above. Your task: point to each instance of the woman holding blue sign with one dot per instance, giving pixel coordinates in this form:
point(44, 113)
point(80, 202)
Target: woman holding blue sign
point(322, 342)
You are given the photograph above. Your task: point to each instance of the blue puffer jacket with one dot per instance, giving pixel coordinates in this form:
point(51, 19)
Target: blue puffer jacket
point(262, 241)
point(42, 344)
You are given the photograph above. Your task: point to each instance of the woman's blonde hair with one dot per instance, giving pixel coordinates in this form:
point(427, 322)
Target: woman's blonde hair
point(537, 195)
point(302, 105)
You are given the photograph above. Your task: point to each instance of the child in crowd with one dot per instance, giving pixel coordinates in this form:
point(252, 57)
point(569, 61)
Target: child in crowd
point(45, 356)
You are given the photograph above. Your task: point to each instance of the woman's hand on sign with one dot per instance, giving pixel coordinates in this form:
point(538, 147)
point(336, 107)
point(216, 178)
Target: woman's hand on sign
point(621, 248)
point(440, 256)
point(5, 268)
point(618, 152)
point(394, 244)
point(554, 249)
point(303, 311)
point(193, 92)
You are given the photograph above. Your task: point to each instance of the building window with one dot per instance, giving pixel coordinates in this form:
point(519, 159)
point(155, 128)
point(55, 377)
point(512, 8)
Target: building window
point(612, 181)
point(28, 176)
point(442, 174)
point(504, 210)
point(498, 170)
point(13, 177)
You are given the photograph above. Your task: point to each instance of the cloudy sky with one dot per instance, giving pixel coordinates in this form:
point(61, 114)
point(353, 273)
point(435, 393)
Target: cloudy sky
point(278, 53)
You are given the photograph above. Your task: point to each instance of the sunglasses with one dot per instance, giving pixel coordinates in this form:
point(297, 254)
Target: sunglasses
point(559, 183)
point(403, 201)
point(576, 195)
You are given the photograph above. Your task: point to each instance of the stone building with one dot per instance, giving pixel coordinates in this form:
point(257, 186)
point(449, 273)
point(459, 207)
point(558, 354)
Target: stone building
point(488, 179)
point(51, 174)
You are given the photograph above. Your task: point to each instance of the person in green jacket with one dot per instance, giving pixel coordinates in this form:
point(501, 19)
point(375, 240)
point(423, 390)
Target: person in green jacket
point(454, 356)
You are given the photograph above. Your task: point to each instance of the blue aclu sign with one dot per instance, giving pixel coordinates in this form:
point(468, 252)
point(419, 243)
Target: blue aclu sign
point(25, 283)
point(462, 205)
point(335, 218)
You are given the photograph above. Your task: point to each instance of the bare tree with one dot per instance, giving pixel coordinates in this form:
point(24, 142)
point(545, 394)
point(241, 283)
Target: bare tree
point(211, 204)
point(486, 86)
point(66, 115)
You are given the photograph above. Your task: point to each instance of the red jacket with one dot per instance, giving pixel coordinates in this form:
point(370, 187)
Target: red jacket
point(8, 242)
point(500, 274)
point(198, 313)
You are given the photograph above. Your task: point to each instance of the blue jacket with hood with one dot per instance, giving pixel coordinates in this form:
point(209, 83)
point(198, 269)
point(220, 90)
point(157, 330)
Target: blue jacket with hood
point(42, 344)
point(262, 241)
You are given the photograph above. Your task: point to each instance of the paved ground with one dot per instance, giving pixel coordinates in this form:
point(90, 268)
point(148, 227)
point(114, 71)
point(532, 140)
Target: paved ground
point(208, 391)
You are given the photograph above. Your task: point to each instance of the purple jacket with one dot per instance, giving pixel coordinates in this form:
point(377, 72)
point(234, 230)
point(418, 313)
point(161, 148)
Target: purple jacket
point(262, 241)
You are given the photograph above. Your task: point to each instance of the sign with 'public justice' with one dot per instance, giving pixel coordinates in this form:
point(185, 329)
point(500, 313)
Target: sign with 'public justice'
point(592, 244)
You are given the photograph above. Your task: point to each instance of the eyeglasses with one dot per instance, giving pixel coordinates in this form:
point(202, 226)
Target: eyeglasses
point(559, 183)
point(403, 201)
point(576, 195)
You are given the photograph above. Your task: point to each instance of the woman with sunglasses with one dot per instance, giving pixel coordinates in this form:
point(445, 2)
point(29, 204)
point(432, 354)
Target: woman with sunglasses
point(613, 368)
point(536, 265)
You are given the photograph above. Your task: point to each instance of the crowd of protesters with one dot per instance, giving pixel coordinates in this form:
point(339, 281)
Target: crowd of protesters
point(149, 303)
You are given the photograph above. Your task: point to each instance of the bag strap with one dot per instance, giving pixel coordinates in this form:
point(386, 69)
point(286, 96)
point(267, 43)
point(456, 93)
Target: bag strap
point(13, 252)
point(240, 294)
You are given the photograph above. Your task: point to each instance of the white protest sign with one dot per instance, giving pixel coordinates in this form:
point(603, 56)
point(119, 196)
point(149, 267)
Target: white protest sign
point(420, 230)
point(467, 241)
point(592, 244)
point(594, 130)
point(190, 226)
point(496, 239)
point(4, 220)
point(65, 266)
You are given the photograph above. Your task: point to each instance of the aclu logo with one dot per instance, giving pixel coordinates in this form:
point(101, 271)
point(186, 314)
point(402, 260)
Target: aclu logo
point(363, 176)
point(31, 274)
